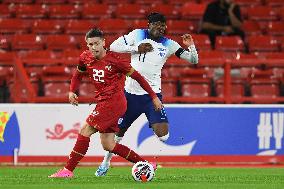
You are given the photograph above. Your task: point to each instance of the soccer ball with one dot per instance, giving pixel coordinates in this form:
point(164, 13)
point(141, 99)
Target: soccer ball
point(143, 171)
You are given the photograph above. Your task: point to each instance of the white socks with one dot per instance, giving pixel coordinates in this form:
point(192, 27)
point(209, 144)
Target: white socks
point(108, 155)
point(164, 138)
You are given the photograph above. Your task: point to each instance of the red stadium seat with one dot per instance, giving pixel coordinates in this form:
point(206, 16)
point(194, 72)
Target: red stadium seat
point(148, 2)
point(6, 11)
point(248, 3)
point(60, 89)
point(82, 2)
point(169, 88)
point(191, 89)
point(87, 89)
point(130, 11)
point(27, 42)
point(30, 11)
point(79, 26)
point(96, 11)
point(251, 27)
point(60, 42)
point(7, 58)
point(275, 3)
point(43, 54)
point(47, 27)
point(180, 2)
point(202, 41)
point(138, 24)
point(264, 89)
point(12, 26)
point(50, 1)
point(275, 28)
point(63, 12)
point(5, 42)
point(109, 39)
point(237, 88)
point(229, 43)
point(211, 58)
point(262, 43)
point(115, 2)
point(72, 54)
point(18, 1)
point(262, 13)
point(113, 26)
point(169, 11)
point(193, 11)
point(180, 27)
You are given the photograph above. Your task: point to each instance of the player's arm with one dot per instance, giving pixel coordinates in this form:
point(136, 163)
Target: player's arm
point(75, 82)
point(125, 43)
point(145, 85)
point(190, 54)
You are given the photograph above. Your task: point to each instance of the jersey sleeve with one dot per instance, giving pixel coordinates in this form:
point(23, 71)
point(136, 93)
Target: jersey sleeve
point(173, 47)
point(125, 43)
point(81, 67)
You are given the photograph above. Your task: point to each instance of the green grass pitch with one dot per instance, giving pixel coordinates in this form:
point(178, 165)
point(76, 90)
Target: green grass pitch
point(120, 178)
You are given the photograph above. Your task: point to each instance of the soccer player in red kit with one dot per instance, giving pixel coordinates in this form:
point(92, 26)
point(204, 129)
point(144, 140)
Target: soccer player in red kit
point(107, 72)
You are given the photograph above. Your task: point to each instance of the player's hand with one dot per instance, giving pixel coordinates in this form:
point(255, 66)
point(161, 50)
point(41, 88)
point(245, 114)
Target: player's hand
point(157, 104)
point(187, 40)
point(73, 99)
point(145, 47)
point(228, 29)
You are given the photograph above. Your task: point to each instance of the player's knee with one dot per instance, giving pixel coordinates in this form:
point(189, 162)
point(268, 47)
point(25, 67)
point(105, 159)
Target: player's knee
point(164, 138)
point(108, 146)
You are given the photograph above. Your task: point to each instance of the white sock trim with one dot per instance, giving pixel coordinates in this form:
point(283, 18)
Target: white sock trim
point(164, 138)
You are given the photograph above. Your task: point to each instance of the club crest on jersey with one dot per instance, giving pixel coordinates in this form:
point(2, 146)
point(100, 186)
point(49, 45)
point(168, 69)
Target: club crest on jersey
point(162, 52)
point(108, 68)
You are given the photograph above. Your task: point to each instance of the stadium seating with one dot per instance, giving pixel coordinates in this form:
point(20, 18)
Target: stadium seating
point(169, 11)
point(60, 42)
point(180, 27)
point(262, 43)
point(95, 11)
point(169, 88)
point(130, 11)
point(49, 35)
point(12, 26)
point(6, 11)
point(251, 27)
point(113, 26)
point(229, 43)
point(79, 27)
point(48, 27)
point(30, 11)
point(27, 42)
point(62, 12)
point(193, 11)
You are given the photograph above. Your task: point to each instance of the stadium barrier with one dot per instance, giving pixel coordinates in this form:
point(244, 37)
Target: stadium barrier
point(215, 134)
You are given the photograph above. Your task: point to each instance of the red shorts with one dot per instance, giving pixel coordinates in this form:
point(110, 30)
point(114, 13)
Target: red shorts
point(107, 113)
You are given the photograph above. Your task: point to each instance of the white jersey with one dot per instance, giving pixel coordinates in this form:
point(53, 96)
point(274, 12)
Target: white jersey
point(149, 64)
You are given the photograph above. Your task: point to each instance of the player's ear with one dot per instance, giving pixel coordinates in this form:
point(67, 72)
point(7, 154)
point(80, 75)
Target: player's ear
point(104, 42)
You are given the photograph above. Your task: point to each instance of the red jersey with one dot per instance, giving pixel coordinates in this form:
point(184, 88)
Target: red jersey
point(107, 74)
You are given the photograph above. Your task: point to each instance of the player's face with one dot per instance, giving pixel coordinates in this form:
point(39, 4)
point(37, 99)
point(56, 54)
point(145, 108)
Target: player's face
point(157, 29)
point(96, 46)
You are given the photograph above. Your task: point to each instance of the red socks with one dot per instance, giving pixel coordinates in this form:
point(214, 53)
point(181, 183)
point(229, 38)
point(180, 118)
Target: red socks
point(79, 151)
point(126, 153)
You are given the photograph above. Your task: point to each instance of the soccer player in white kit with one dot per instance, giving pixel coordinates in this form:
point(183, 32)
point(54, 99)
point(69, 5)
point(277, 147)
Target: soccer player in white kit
point(149, 51)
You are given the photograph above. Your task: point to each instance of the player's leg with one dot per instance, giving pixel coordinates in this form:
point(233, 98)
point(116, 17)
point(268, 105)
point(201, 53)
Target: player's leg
point(158, 121)
point(78, 152)
point(108, 143)
point(134, 110)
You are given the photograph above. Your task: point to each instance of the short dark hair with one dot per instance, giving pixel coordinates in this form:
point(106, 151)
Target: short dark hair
point(156, 17)
point(95, 32)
